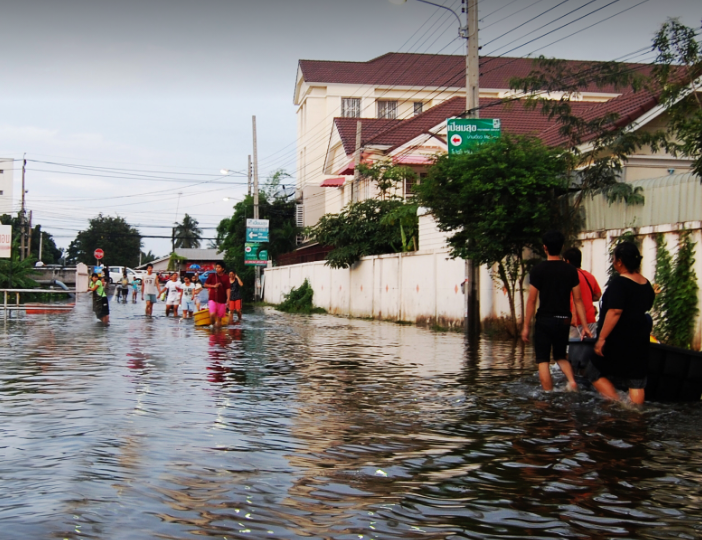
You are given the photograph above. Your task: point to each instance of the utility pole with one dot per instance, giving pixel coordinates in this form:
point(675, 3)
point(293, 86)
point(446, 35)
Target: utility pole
point(257, 285)
point(21, 216)
point(249, 175)
point(472, 271)
point(41, 242)
point(29, 236)
point(355, 188)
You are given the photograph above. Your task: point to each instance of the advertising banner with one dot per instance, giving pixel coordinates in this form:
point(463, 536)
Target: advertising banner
point(255, 254)
point(464, 134)
point(5, 241)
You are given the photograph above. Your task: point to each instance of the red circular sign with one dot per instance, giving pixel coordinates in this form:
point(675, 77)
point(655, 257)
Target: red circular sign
point(99, 254)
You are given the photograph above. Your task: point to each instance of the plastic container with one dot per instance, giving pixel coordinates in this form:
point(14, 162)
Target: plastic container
point(202, 317)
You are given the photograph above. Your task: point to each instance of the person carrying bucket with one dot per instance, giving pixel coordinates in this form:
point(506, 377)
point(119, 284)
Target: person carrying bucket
point(219, 288)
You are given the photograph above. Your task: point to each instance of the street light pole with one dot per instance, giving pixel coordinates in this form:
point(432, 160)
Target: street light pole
point(257, 284)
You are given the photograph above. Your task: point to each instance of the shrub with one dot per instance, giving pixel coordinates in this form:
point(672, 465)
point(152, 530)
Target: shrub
point(300, 300)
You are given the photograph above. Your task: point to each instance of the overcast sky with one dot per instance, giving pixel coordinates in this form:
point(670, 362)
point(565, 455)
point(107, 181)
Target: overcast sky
point(169, 87)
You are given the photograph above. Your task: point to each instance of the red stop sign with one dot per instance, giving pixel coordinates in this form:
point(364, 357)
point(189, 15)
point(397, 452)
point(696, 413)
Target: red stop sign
point(99, 254)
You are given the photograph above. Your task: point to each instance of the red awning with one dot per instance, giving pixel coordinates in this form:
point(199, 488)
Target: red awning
point(333, 182)
point(348, 168)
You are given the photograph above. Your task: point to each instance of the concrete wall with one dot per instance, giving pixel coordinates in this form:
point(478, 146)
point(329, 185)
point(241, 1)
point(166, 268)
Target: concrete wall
point(425, 287)
point(6, 183)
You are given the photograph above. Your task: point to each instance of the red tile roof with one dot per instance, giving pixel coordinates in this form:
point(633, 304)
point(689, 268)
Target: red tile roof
point(370, 127)
point(432, 70)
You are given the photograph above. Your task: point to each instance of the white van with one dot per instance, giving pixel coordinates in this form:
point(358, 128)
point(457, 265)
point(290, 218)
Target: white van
point(115, 274)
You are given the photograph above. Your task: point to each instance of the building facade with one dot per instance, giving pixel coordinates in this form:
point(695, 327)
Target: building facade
point(6, 186)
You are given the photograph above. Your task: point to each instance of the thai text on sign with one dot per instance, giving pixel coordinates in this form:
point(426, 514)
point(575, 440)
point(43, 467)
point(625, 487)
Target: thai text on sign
point(464, 134)
point(5, 241)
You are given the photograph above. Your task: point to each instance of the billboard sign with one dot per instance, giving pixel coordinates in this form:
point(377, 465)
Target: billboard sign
point(255, 254)
point(257, 230)
point(464, 134)
point(5, 241)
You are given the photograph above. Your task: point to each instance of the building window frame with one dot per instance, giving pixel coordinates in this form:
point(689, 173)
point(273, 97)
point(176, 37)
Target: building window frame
point(386, 109)
point(418, 108)
point(350, 107)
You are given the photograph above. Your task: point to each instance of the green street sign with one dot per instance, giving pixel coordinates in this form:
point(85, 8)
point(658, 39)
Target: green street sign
point(464, 134)
point(255, 254)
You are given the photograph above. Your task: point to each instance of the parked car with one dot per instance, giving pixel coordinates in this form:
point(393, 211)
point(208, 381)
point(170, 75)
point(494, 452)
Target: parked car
point(114, 273)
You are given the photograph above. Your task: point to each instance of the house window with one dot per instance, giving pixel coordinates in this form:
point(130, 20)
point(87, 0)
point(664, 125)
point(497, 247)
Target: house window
point(351, 107)
point(418, 107)
point(2, 192)
point(387, 109)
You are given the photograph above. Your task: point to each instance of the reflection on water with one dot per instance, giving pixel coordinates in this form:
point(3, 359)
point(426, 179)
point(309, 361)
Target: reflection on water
point(320, 427)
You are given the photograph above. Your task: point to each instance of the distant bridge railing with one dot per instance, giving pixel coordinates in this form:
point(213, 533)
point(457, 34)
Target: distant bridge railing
point(17, 306)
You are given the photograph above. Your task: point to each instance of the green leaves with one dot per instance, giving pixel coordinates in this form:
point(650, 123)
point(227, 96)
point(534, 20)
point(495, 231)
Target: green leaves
point(120, 241)
point(675, 308)
point(187, 234)
point(300, 300)
point(371, 227)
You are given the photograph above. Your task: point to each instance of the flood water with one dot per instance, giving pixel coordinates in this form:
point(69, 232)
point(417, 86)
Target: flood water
point(320, 427)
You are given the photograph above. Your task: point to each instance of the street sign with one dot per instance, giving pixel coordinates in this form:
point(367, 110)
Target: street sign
point(257, 230)
point(255, 254)
point(464, 134)
point(5, 241)
point(99, 254)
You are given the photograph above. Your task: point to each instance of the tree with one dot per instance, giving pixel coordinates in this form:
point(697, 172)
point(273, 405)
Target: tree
point(497, 202)
point(120, 241)
point(231, 233)
point(187, 234)
point(677, 72)
point(147, 257)
point(51, 254)
point(359, 230)
point(14, 274)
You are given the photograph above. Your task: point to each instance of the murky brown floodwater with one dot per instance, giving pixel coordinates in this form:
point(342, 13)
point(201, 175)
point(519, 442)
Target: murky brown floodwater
point(320, 427)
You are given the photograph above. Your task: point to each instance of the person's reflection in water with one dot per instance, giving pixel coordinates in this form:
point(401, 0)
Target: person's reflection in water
point(221, 352)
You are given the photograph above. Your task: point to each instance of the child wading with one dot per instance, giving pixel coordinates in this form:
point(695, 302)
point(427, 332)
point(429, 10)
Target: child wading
point(235, 296)
point(552, 282)
point(187, 301)
point(100, 305)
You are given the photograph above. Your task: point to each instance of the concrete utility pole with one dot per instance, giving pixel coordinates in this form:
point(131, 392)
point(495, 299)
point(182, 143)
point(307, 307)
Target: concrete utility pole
point(21, 216)
point(29, 236)
point(257, 285)
point(472, 282)
point(356, 162)
point(41, 244)
point(249, 177)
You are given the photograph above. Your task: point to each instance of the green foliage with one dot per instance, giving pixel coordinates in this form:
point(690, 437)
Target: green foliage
point(187, 234)
point(14, 274)
point(120, 241)
point(677, 68)
point(147, 257)
point(387, 177)
point(300, 300)
point(675, 309)
point(406, 217)
point(231, 234)
point(364, 228)
point(174, 262)
point(51, 254)
point(497, 202)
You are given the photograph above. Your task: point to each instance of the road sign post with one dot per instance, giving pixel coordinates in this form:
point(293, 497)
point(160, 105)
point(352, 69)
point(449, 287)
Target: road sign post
point(465, 134)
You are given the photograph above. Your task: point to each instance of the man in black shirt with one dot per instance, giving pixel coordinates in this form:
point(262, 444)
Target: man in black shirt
point(552, 282)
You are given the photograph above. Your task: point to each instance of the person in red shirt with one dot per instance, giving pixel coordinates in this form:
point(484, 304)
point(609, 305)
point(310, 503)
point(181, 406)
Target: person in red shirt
point(219, 287)
point(590, 291)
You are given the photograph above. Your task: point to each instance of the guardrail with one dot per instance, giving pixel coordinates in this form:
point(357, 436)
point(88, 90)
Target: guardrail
point(17, 292)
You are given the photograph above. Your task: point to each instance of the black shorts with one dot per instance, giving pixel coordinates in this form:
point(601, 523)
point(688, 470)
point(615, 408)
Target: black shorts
point(101, 307)
point(593, 374)
point(551, 333)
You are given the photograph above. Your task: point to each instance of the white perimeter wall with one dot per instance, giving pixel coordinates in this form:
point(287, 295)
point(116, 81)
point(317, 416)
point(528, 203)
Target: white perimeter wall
point(425, 287)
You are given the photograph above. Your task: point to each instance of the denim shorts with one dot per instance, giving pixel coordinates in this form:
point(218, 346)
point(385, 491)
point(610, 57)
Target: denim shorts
point(593, 374)
point(151, 298)
point(188, 305)
point(551, 333)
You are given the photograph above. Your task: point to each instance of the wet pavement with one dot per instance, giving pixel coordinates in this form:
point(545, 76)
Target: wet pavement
point(320, 427)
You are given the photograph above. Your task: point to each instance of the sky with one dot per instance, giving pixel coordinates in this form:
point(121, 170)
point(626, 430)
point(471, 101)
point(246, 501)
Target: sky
point(132, 107)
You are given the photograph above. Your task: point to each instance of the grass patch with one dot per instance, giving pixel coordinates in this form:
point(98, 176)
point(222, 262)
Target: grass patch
point(300, 301)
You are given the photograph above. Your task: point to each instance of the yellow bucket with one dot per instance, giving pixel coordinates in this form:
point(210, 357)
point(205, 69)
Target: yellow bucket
point(202, 317)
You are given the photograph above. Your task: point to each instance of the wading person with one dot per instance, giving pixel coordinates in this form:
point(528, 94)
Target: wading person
point(197, 295)
point(124, 287)
point(136, 285)
point(621, 351)
point(187, 302)
point(590, 292)
point(174, 290)
point(235, 299)
point(552, 282)
point(149, 289)
point(101, 307)
point(219, 288)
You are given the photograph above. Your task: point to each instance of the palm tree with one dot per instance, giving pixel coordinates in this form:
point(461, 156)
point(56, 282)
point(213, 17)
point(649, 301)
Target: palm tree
point(187, 234)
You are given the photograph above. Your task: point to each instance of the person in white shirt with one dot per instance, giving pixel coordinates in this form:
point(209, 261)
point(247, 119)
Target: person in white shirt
point(174, 291)
point(187, 298)
point(150, 288)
